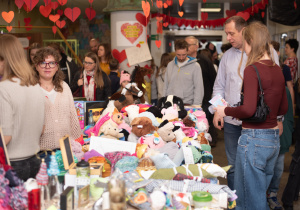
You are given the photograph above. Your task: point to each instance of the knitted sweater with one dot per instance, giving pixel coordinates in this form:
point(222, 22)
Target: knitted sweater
point(60, 120)
point(21, 117)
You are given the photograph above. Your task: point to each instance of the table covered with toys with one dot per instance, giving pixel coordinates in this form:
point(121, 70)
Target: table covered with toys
point(141, 157)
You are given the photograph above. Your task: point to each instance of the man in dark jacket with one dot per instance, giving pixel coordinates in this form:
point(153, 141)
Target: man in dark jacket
point(209, 75)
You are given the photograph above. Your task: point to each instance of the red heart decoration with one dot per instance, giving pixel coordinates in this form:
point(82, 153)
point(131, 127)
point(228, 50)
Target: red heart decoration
point(47, 2)
point(180, 2)
point(27, 20)
point(120, 56)
point(19, 3)
point(204, 1)
point(138, 45)
point(90, 13)
point(244, 15)
point(8, 16)
point(166, 5)
point(262, 14)
point(142, 19)
point(54, 5)
point(25, 8)
point(54, 18)
point(31, 3)
point(230, 13)
point(158, 43)
point(9, 28)
point(45, 10)
point(72, 14)
point(60, 12)
point(28, 28)
point(165, 24)
point(146, 8)
point(62, 2)
point(132, 32)
point(204, 16)
point(54, 29)
point(60, 24)
point(91, 1)
point(169, 2)
point(180, 13)
point(159, 4)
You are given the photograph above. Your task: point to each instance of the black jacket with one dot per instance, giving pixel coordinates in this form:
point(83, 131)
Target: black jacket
point(101, 94)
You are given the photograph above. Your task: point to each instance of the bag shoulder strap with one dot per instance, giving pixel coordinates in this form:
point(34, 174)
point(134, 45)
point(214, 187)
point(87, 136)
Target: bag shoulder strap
point(259, 82)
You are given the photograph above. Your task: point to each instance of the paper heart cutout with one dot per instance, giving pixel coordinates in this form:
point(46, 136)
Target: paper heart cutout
point(146, 8)
point(72, 14)
point(54, 29)
point(62, 2)
point(9, 28)
point(204, 16)
point(60, 24)
point(90, 13)
point(132, 32)
point(54, 18)
point(31, 4)
point(159, 18)
point(47, 2)
point(262, 14)
point(45, 10)
point(244, 15)
point(158, 43)
point(28, 28)
point(142, 19)
point(166, 5)
point(169, 2)
point(120, 56)
point(60, 12)
point(25, 8)
point(91, 1)
point(230, 13)
point(27, 20)
point(180, 13)
point(165, 24)
point(19, 3)
point(8, 16)
point(159, 4)
point(180, 2)
point(54, 5)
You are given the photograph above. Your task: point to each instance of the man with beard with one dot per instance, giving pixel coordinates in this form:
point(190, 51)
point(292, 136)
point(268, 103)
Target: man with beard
point(183, 77)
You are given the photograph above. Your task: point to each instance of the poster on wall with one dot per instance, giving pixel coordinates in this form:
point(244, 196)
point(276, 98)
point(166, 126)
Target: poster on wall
point(136, 55)
point(131, 32)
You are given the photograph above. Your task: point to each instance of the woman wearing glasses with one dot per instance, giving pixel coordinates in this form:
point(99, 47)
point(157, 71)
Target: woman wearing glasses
point(93, 83)
point(21, 108)
point(60, 114)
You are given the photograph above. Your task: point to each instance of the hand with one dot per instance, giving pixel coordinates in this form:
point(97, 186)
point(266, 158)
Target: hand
point(280, 127)
point(220, 110)
point(216, 120)
point(80, 82)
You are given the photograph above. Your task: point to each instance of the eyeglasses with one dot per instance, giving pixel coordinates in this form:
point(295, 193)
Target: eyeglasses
point(50, 64)
point(88, 63)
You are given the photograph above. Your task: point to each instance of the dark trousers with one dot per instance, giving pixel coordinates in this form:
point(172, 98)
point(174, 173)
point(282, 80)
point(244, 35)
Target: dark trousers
point(292, 187)
point(26, 169)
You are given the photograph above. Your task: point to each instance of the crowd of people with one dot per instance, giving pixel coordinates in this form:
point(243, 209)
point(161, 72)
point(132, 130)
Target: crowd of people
point(37, 106)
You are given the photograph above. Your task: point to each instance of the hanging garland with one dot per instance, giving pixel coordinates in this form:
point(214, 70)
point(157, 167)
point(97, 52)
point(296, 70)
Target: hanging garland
point(211, 23)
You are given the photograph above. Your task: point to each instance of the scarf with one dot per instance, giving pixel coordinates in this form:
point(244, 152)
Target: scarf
point(89, 86)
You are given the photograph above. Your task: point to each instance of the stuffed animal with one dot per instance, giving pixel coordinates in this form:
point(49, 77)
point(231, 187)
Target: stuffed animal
point(132, 112)
point(170, 100)
point(110, 130)
point(153, 140)
point(202, 125)
point(142, 126)
point(165, 131)
point(170, 113)
point(155, 111)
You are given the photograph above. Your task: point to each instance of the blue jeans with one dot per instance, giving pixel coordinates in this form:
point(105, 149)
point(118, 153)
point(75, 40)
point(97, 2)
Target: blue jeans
point(278, 170)
point(257, 153)
point(232, 134)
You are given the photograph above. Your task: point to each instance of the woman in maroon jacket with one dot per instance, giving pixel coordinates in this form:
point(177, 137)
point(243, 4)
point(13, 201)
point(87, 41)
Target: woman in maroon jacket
point(259, 144)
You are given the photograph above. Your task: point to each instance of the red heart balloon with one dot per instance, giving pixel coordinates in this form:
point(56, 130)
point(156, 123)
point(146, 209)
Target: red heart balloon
point(90, 13)
point(120, 56)
point(62, 2)
point(60, 24)
point(45, 10)
point(60, 12)
point(72, 14)
point(31, 4)
point(19, 3)
point(142, 19)
point(54, 5)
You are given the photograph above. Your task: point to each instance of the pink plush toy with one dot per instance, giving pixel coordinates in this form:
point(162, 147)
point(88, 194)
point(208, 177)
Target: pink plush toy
point(153, 140)
point(202, 121)
point(170, 113)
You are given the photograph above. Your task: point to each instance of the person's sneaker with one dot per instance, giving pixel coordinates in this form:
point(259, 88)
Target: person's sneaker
point(273, 202)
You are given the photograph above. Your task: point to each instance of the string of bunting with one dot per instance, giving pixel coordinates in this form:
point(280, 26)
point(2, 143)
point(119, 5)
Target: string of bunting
point(212, 23)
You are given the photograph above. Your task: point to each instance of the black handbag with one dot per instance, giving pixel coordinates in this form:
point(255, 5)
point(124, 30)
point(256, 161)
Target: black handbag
point(262, 109)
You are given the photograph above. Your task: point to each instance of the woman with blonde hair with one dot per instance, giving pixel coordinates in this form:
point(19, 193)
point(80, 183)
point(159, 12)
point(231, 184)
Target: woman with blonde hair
point(93, 83)
point(60, 114)
point(21, 108)
point(258, 146)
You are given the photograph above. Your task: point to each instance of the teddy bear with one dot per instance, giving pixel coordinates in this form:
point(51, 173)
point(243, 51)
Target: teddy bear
point(110, 130)
point(140, 127)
